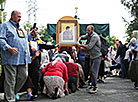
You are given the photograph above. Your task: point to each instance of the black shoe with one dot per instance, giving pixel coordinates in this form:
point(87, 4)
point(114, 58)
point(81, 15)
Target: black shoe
point(55, 96)
point(98, 81)
point(135, 85)
point(84, 86)
point(102, 81)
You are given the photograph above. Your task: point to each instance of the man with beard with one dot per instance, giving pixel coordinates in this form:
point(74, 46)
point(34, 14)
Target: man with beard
point(15, 56)
point(93, 47)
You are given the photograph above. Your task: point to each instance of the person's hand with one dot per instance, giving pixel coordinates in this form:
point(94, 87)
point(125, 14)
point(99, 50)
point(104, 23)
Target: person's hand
point(37, 53)
point(82, 48)
point(109, 59)
point(66, 90)
point(57, 45)
point(33, 49)
point(78, 44)
point(131, 52)
point(14, 51)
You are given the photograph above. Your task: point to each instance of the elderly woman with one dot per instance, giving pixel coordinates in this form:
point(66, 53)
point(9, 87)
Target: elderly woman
point(56, 78)
point(133, 46)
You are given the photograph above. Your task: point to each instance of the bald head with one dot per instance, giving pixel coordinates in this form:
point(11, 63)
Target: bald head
point(90, 29)
point(16, 16)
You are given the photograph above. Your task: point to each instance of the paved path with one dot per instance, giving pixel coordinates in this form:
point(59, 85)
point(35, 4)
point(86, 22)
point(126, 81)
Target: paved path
point(113, 90)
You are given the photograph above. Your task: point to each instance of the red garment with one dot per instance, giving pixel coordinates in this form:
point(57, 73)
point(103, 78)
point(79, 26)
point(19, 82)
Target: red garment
point(59, 69)
point(72, 69)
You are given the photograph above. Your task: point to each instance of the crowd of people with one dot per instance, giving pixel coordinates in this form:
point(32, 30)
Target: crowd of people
point(123, 62)
point(34, 66)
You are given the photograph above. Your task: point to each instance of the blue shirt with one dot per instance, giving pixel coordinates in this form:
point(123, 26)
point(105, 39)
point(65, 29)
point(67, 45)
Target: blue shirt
point(10, 39)
point(134, 45)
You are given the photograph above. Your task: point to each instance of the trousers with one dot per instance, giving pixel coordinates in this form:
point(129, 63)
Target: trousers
point(94, 69)
point(15, 77)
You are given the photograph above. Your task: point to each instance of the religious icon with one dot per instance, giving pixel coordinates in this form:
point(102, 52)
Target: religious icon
point(20, 33)
point(68, 32)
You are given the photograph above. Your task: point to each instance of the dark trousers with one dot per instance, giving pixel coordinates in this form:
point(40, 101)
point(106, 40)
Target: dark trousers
point(126, 65)
point(72, 84)
point(123, 71)
point(87, 67)
point(133, 72)
point(135, 55)
point(101, 70)
point(28, 84)
point(33, 72)
point(94, 70)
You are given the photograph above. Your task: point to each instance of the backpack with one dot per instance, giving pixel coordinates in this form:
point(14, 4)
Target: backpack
point(104, 45)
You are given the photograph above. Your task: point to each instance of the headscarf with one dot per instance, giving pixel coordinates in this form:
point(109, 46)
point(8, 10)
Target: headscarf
point(133, 40)
point(56, 60)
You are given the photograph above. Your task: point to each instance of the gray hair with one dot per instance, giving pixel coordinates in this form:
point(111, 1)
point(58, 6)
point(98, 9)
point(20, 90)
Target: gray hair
point(14, 12)
point(92, 27)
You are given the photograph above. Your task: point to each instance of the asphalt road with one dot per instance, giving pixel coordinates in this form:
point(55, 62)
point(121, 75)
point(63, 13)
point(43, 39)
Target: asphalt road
point(114, 89)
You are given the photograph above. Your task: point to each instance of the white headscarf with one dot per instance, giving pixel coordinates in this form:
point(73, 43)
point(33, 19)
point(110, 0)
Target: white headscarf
point(133, 40)
point(55, 61)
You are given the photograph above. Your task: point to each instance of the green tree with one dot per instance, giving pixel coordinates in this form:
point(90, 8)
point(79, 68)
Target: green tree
point(43, 32)
point(132, 6)
point(4, 13)
point(27, 26)
point(112, 41)
point(4, 17)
